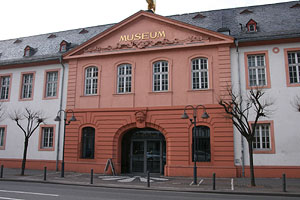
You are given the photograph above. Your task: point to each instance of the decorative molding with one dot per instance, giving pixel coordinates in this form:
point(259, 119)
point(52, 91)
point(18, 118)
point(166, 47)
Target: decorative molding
point(147, 44)
point(140, 117)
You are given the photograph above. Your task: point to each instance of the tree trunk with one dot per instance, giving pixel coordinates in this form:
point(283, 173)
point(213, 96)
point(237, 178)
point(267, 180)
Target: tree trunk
point(24, 156)
point(251, 162)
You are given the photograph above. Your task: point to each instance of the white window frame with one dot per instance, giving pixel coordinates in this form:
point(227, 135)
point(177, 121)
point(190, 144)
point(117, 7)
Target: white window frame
point(51, 83)
point(160, 76)
point(257, 70)
point(124, 78)
point(27, 86)
point(262, 137)
point(200, 74)
point(47, 137)
point(91, 80)
point(5, 83)
point(294, 63)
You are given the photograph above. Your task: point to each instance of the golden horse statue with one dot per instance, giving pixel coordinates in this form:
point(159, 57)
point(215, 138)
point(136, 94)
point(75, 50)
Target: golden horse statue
point(151, 5)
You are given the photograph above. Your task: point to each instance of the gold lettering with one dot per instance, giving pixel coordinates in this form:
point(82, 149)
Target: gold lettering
point(137, 36)
point(155, 35)
point(128, 37)
point(122, 38)
point(161, 34)
point(145, 36)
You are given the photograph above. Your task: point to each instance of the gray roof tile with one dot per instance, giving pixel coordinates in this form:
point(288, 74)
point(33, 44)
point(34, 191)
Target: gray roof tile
point(274, 21)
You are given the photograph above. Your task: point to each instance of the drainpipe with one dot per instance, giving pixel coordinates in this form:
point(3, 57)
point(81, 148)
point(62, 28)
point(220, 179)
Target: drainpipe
point(60, 107)
point(241, 104)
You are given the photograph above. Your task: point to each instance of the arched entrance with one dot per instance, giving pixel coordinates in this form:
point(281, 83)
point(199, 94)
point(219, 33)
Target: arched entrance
point(143, 150)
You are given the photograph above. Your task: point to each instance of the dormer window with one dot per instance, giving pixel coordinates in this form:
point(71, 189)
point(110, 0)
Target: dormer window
point(64, 46)
point(246, 11)
point(51, 36)
point(17, 41)
point(251, 26)
point(28, 51)
point(83, 31)
point(200, 16)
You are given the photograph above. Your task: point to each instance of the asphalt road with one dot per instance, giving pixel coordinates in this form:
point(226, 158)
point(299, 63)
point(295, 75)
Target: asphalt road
point(10, 190)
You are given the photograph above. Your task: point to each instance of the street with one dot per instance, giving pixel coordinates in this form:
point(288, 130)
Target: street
point(11, 190)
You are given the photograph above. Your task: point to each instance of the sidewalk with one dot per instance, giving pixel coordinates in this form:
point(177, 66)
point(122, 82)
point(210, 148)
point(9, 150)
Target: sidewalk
point(264, 186)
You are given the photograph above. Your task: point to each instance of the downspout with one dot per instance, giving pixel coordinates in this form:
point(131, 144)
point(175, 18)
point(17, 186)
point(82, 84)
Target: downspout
point(60, 108)
point(236, 42)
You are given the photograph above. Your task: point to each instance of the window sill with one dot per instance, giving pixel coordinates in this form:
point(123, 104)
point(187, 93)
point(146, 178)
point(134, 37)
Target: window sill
point(29, 99)
point(91, 95)
point(125, 93)
point(50, 98)
point(264, 151)
point(258, 87)
point(4, 100)
point(160, 92)
point(46, 149)
point(200, 90)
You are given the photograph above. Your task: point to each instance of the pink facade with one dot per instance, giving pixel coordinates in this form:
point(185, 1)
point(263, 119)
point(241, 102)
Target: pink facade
point(142, 42)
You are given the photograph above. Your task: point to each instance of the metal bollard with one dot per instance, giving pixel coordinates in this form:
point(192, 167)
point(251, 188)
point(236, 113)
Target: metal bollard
point(283, 182)
point(148, 179)
point(45, 173)
point(92, 176)
point(214, 181)
point(1, 173)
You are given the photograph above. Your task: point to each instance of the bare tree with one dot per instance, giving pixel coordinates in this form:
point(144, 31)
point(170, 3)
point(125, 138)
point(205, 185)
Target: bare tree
point(32, 119)
point(242, 111)
point(296, 103)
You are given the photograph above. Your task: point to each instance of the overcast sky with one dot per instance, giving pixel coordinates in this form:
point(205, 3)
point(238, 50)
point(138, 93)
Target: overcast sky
point(21, 18)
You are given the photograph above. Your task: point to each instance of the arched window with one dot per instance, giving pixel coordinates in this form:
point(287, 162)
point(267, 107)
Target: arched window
point(88, 142)
point(124, 78)
point(199, 73)
point(201, 144)
point(160, 76)
point(91, 81)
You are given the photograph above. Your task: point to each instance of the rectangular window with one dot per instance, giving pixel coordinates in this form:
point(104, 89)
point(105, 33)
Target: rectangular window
point(294, 67)
point(91, 80)
point(51, 84)
point(47, 137)
point(201, 144)
point(2, 134)
point(5, 83)
point(262, 137)
point(124, 78)
point(160, 76)
point(257, 70)
point(199, 73)
point(27, 86)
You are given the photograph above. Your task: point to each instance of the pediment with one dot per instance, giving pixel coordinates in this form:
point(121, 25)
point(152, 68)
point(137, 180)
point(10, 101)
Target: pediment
point(146, 31)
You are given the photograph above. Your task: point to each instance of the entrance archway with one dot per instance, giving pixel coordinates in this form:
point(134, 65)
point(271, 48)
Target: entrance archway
point(143, 150)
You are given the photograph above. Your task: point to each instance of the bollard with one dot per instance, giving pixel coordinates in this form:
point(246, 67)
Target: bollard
point(45, 173)
point(1, 173)
point(214, 181)
point(92, 176)
point(284, 182)
point(148, 179)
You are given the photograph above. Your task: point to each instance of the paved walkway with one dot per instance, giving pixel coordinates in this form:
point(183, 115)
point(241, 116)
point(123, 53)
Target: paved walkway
point(265, 186)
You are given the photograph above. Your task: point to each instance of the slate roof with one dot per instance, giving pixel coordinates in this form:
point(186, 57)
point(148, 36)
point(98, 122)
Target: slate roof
point(274, 21)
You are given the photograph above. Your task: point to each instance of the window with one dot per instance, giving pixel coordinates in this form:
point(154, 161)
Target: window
point(4, 90)
point(91, 80)
point(257, 70)
point(251, 26)
point(201, 144)
point(47, 137)
point(88, 142)
point(2, 138)
point(51, 84)
point(199, 73)
point(124, 78)
point(262, 140)
point(294, 66)
point(27, 86)
point(160, 76)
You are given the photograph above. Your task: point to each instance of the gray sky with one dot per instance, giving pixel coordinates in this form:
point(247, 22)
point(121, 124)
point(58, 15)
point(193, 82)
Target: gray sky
point(21, 18)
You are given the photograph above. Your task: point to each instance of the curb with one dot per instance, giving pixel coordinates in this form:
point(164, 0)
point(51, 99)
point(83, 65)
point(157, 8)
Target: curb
point(171, 189)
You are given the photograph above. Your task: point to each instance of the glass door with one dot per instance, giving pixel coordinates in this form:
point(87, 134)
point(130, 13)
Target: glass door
point(137, 158)
point(153, 156)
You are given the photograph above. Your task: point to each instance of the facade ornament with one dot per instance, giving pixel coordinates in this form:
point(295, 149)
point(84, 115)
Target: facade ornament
point(140, 117)
point(151, 5)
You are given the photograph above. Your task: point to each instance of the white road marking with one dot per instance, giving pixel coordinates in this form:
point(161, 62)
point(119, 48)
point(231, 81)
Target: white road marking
point(192, 183)
point(145, 180)
point(159, 179)
point(9, 198)
point(232, 186)
point(201, 181)
point(127, 180)
point(33, 193)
